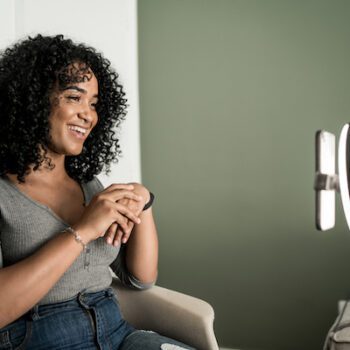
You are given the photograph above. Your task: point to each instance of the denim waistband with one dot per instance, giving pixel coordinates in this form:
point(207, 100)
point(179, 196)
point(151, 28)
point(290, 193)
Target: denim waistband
point(82, 300)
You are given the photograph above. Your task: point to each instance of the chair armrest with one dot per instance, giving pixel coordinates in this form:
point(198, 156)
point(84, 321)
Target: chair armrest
point(173, 314)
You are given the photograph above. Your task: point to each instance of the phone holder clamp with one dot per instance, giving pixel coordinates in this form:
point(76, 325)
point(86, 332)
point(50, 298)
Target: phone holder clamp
point(326, 182)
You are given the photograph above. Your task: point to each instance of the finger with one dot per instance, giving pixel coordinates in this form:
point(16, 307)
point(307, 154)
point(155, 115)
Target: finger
point(127, 234)
point(122, 221)
point(110, 233)
point(127, 213)
point(113, 187)
point(138, 210)
point(135, 206)
point(123, 233)
point(118, 237)
point(117, 195)
point(124, 201)
point(123, 194)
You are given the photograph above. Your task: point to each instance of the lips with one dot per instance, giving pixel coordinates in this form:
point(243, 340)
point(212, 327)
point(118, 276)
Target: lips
point(78, 131)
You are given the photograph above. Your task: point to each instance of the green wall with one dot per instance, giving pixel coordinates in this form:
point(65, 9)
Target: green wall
point(232, 93)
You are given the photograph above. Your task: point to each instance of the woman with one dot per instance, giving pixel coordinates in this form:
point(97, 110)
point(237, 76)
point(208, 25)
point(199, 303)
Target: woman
point(60, 230)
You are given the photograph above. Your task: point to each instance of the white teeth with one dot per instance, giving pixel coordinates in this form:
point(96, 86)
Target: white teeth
point(77, 128)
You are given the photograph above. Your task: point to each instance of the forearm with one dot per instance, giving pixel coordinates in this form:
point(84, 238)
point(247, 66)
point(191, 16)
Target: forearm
point(25, 283)
point(142, 249)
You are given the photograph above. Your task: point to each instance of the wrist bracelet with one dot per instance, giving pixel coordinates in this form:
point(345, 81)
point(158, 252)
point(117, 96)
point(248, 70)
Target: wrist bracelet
point(77, 237)
point(150, 202)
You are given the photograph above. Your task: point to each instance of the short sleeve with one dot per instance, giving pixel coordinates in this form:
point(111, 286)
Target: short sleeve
point(99, 184)
point(120, 269)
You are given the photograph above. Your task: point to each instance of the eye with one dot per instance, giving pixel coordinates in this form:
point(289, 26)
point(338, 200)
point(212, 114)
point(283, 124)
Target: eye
point(74, 98)
point(93, 105)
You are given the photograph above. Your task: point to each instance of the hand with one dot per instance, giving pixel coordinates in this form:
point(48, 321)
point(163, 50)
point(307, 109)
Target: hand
point(105, 210)
point(115, 235)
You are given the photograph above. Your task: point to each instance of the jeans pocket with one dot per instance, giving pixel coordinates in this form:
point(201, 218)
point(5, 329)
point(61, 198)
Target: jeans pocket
point(5, 343)
point(115, 299)
point(16, 335)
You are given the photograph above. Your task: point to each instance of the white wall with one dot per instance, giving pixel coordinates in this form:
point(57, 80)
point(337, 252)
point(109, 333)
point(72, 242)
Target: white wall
point(108, 25)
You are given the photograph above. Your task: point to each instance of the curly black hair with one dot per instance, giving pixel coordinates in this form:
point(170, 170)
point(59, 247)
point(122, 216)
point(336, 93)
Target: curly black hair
point(29, 71)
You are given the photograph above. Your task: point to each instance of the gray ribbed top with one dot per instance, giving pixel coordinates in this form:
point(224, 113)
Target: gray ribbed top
point(26, 225)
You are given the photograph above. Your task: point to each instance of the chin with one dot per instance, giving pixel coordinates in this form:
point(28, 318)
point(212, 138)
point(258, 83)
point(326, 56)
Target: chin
point(72, 149)
point(75, 152)
point(68, 151)
point(66, 147)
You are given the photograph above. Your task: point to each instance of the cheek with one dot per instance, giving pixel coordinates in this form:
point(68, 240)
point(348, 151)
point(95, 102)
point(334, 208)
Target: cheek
point(65, 112)
point(59, 117)
point(57, 123)
point(95, 120)
point(55, 132)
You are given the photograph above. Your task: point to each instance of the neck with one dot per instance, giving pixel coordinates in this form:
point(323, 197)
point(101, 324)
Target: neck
point(44, 174)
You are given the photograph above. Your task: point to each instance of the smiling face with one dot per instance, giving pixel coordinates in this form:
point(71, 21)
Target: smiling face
point(73, 115)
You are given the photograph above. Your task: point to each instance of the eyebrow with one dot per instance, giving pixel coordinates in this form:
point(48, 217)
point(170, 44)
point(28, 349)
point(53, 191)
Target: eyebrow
point(73, 87)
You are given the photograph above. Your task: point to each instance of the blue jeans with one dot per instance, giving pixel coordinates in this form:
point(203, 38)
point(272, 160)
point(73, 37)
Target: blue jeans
point(89, 321)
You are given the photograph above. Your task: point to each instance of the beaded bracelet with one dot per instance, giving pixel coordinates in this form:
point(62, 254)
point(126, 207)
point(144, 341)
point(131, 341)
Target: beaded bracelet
point(77, 237)
point(150, 202)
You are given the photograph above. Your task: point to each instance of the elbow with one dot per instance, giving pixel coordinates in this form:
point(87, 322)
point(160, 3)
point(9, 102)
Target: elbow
point(5, 318)
point(143, 284)
point(147, 285)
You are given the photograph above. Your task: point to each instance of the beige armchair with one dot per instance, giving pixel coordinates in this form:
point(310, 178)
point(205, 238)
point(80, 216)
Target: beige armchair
point(169, 313)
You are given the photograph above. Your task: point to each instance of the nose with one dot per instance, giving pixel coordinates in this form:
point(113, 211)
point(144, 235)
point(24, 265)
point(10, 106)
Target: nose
point(86, 114)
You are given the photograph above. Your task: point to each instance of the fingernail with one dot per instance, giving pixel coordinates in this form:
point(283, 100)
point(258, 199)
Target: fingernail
point(138, 220)
point(124, 240)
point(109, 240)
point(116, 243)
